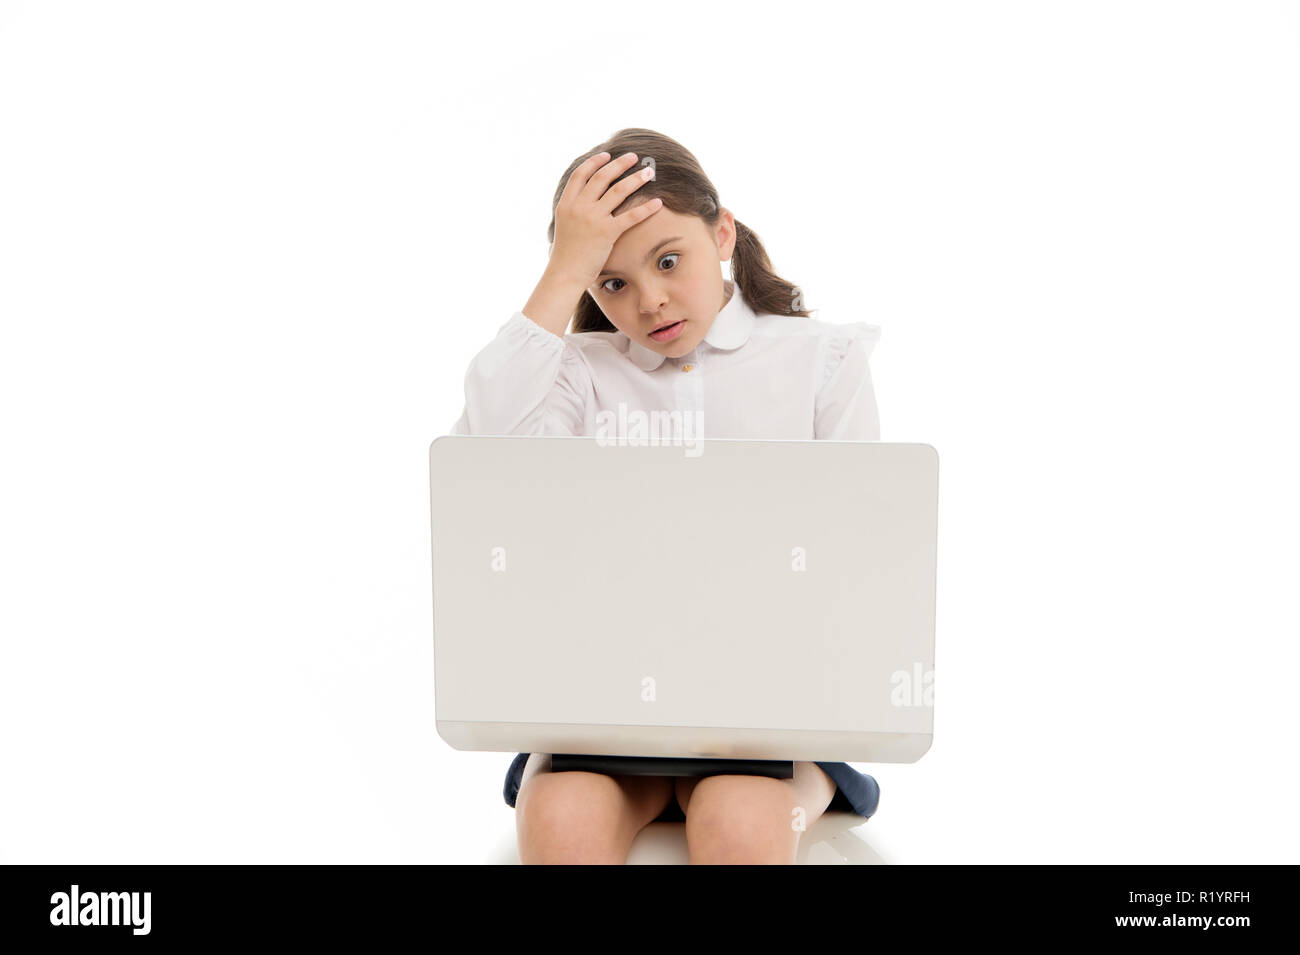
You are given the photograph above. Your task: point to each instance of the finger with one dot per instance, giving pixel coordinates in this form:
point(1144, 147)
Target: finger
point(578, 178)
point(638, 213)
point(600, 180)
point(625, 187)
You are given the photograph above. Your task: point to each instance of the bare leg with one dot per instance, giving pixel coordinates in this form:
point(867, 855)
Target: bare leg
point(581, 817)
point(752, 819)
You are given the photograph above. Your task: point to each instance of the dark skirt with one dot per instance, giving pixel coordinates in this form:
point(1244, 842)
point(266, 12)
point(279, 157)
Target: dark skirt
point(855, 792)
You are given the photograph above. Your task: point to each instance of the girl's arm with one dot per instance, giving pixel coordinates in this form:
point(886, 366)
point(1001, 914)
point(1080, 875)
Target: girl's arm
point(526, 381)
point(846, 402)
point(529, 380)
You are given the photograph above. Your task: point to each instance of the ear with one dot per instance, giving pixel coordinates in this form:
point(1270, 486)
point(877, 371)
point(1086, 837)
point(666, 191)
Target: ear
point(724, 234)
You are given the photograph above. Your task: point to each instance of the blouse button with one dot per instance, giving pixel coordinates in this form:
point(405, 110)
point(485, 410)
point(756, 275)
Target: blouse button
point(687, 367)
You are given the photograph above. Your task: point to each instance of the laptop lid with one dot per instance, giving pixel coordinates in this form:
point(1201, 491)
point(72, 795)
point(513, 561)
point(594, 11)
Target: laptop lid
point(762, 599)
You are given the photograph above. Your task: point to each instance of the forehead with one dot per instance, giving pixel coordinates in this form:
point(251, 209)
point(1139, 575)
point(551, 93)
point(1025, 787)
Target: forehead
point(661, 225)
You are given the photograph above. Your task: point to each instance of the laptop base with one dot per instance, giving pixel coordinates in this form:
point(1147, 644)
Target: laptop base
point(671, 766)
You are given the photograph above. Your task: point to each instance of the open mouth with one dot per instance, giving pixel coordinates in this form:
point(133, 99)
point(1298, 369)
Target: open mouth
point(666, 328)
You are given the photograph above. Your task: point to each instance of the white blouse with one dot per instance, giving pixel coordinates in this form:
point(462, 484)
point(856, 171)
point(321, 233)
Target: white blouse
point(752, 376)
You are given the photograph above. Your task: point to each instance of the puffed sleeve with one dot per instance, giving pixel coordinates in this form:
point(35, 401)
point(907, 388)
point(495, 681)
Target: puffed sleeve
point(846, 399)
point(526, 381)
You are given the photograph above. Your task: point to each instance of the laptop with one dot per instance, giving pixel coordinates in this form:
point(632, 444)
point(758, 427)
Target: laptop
point(757, 600)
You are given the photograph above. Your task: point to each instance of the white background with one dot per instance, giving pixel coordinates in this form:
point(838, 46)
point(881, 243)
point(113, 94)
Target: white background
point(247, 251)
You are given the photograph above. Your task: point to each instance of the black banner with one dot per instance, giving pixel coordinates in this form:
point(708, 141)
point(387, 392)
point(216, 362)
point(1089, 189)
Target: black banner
point(138, 904)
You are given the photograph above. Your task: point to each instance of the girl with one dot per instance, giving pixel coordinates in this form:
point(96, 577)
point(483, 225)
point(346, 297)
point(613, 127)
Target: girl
point(637, 236)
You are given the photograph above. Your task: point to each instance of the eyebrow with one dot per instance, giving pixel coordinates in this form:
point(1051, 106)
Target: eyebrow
point(650, 254)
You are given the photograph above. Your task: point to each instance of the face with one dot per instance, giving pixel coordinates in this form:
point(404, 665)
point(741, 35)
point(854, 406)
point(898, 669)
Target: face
point(662, 270)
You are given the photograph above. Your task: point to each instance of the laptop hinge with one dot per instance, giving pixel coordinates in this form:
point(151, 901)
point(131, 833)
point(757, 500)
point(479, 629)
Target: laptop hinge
point(671, 766)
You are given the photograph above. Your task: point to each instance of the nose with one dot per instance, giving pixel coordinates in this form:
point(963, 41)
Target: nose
point(653, 301)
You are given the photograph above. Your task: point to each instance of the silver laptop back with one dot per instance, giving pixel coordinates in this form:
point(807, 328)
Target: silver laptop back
point(761, 599)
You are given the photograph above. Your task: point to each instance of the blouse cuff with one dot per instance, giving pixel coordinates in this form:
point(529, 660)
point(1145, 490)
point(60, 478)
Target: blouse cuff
point(523, 326)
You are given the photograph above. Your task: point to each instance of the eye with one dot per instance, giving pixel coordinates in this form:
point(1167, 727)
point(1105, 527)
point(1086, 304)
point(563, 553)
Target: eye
point(666, 255)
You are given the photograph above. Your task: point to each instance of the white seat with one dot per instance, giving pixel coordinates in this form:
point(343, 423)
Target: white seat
point(837, 838)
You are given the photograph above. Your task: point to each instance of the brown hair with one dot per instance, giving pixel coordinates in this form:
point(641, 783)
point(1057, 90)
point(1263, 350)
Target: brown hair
point(686, 190)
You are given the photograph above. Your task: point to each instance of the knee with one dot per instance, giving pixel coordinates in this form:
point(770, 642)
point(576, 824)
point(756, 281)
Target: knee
point(568, 817)
point(742, 820)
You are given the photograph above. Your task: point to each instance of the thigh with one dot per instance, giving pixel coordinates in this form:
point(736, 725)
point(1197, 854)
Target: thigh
point(813, 790)
point(536, 763)
point(643, 797)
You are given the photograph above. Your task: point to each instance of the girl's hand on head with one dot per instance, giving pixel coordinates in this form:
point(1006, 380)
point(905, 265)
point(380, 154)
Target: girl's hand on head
point(585, 227)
